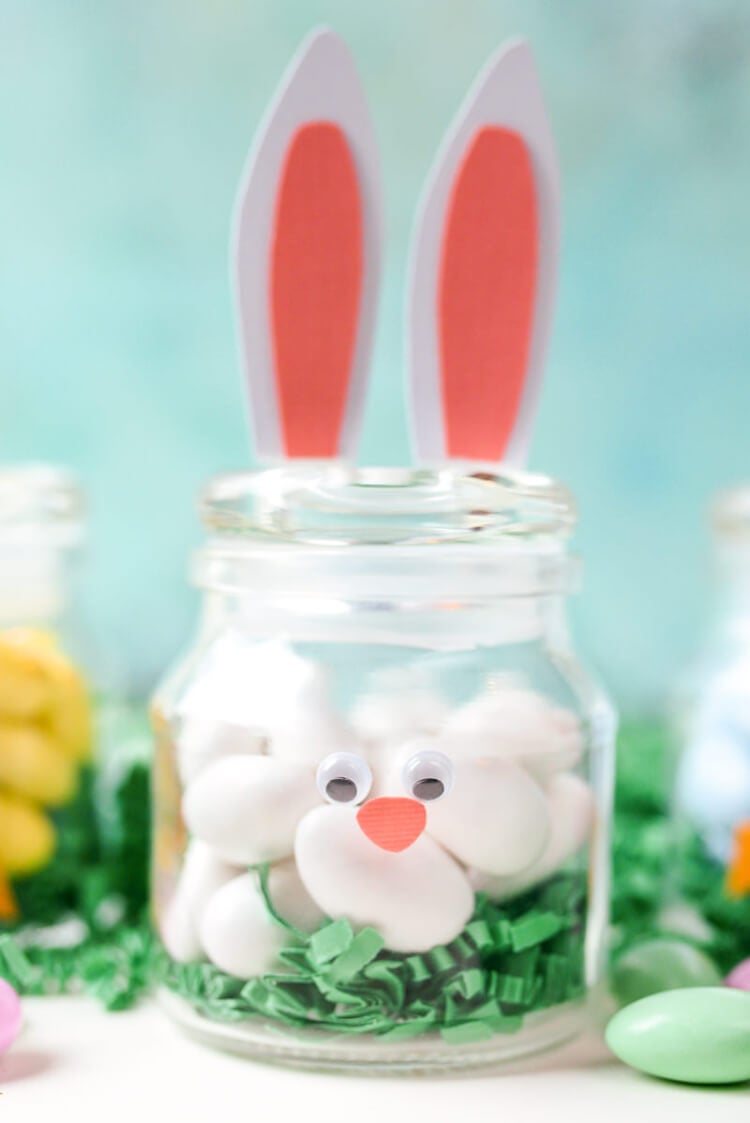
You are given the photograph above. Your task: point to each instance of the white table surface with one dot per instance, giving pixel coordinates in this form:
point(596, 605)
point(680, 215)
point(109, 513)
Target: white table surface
point(75, 1062)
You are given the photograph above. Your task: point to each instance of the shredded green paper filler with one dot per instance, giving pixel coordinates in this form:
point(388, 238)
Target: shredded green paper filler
point(509, 961)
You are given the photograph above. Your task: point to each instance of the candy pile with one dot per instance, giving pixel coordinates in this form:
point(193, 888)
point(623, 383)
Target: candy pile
point(45, 738)
point(402, 818)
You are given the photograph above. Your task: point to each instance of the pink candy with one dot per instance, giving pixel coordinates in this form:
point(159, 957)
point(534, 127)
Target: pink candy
point(739, 976)
point(10, 1015)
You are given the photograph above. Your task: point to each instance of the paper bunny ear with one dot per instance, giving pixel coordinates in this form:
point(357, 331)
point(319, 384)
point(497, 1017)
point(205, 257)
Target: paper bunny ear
point(306, 255)
point(483, 272)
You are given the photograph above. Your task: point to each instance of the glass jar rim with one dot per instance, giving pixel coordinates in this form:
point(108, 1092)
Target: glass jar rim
point(314, 505)
point(384, 533)
point(40, 503)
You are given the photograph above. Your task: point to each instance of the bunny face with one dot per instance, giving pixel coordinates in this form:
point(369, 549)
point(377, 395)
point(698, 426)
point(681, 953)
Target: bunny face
point(393, 834)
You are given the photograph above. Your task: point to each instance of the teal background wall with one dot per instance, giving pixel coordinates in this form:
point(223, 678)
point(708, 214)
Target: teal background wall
point(123, 129)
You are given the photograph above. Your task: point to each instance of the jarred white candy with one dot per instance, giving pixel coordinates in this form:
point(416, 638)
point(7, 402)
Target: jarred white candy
point(255, 686)
point(202, 874)
point(416, 898)
point(248, 807)
point(290, 899)
point(310, 726)
point(237, 932)
point(512, 721)
point(571, 814)
point(399, 714)
point(202, 740)
point(495, 817)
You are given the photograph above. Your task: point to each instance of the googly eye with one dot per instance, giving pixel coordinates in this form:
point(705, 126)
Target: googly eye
point(344, 778)
point(428, 775)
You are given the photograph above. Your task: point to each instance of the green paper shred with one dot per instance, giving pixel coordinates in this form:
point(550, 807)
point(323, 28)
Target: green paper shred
point(361, 951)
point(534, 928)
point(17, 964)
point(329, 942)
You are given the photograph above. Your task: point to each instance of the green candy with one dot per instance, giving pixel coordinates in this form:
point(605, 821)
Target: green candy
point(700, 1035)
point(661, 964)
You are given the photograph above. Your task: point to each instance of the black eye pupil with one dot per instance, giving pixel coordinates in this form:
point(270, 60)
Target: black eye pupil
point(429, 788)
point(341, 789)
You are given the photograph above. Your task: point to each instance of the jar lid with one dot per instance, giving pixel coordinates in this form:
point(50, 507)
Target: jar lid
point(382, 532)
point(345, 506)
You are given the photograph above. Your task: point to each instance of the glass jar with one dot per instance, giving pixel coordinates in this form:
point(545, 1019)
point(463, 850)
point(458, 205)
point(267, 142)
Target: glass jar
point(46, 820)
point(713, 726)
point(383, 778)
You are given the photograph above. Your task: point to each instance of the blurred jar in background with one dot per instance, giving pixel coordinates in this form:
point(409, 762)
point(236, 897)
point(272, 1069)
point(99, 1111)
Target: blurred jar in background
point(713, 777)
point(46, 818)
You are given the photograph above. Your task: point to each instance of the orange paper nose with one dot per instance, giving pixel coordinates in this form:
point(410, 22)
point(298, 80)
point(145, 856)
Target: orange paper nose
point(392, 823)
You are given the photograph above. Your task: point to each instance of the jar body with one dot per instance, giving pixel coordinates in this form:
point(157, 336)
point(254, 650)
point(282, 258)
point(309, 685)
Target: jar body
point(712, 732)
point(712, 788)
point(381, 832)
point(46, 811)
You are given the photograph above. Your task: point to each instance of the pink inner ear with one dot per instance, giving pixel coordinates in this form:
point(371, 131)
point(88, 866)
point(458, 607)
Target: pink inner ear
point(486, 288)
point(315, 287)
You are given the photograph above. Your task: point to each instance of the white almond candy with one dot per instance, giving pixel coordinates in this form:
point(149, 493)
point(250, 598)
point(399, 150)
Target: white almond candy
point(202, 740)
point(254, 685)
point(495, 816)
point(290, 898)
point(310, 731)
point(571, 805)
point(248, 807)
point(202, 874)
point(511, 721)
point(397, 715)
point(237, 932)
point(417, 898)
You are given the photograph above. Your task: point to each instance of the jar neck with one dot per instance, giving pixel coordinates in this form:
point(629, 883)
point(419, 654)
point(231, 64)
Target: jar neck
point(35, 582)
point(456, 624)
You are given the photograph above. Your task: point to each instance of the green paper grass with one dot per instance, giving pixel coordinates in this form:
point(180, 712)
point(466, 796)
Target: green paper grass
point(511, 960)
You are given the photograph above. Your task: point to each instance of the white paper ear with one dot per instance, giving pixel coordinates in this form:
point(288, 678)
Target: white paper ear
point(483, 272)
point(306, 250)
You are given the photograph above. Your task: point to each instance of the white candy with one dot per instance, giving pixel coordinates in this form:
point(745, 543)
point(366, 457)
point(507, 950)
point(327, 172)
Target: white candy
point(397, 715)
point(237, 932)
point(310, 728)
point(416, 899)
point(250, 684)
point(248, 807)
point(202, 874)
point(290, 898)
point(571, 808)
point(495, 816)
point(512, 721)
point(202, 740)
